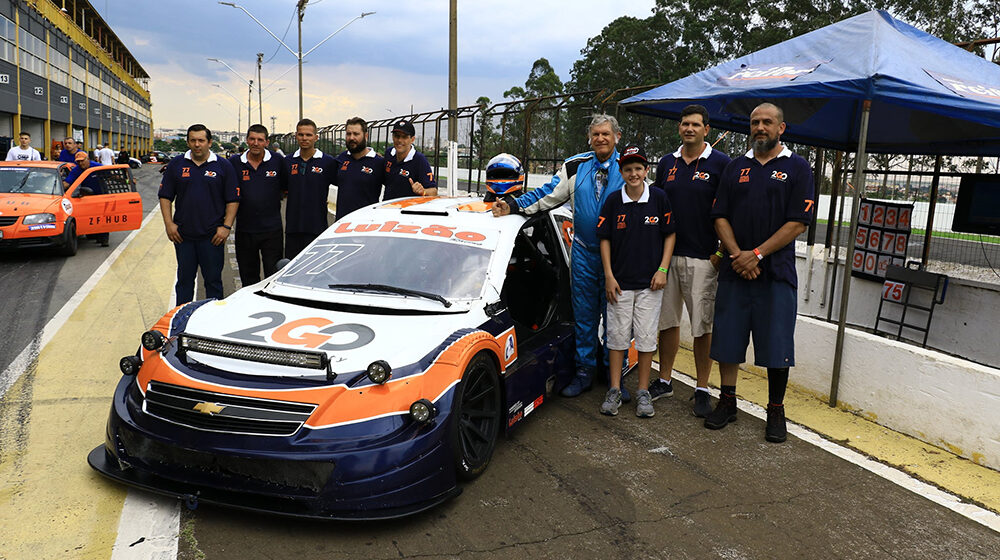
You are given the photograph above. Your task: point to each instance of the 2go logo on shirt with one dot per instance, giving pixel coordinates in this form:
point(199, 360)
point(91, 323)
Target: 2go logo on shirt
point(210, 173)
point(779, 176)
point(701, 176)
point(270, 173)
point(651, 220)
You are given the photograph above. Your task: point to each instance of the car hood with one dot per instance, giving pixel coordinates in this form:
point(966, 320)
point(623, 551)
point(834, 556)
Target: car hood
point(351, 340)
point(28, 203)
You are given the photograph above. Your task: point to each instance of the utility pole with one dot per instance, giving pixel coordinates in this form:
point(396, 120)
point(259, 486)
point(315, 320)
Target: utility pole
point(302, 14)
point(272, 123)
point(260, 89)
point(249, 101)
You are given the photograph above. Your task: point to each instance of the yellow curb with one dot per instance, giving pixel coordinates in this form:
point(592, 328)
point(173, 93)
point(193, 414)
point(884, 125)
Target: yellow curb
point(55, 505)
point(940, 467)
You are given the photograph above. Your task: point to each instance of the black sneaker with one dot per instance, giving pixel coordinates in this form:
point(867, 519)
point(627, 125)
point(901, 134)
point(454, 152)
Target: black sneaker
point(775, 431)
point(702, 404)
point(661, 388)
point(724, 413)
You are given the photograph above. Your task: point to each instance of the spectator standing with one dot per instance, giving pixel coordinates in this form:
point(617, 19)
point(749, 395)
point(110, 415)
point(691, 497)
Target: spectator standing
point(407, 171)
point(202, 189)
point(107, 156)
point(690, 177)
point(69, 150)
point(23, 151)
point(309, 173)
point(361, 171)
point(764, 201)
point(637, 240)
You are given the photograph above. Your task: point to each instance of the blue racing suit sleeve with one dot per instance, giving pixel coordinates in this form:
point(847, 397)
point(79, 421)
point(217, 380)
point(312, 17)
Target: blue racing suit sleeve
point(554, 193)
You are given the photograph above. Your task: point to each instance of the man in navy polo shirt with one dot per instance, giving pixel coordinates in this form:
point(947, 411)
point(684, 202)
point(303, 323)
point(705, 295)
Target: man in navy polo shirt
point(202, 188)
point(260, 179)
point(69, 150)
point(407, 172)
point(361, 172)
point(764, 201)
point(690, 177)
point(637, 240)
point(309, 173)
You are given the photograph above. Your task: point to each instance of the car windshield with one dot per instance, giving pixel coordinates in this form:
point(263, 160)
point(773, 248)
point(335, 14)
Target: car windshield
point(389, 264)
point(29, 180)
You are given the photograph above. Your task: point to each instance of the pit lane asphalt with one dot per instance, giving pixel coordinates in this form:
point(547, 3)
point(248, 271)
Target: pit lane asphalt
point(569, 484)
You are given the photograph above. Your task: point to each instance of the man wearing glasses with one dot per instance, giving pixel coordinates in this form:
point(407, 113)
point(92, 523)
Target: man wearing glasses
point(585, 180)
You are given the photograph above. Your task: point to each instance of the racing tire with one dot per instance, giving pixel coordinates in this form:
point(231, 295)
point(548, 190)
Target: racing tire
point(476, 421)
point(69, 246)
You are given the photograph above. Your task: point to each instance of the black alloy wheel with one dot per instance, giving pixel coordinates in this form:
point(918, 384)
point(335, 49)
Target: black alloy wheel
point(476, 421)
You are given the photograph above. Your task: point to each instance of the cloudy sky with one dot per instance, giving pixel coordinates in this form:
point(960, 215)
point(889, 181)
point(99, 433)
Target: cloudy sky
point(375, 68)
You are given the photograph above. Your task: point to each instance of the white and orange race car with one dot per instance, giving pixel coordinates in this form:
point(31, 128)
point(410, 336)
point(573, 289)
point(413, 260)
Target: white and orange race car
point(37, 210)
point(365, 379)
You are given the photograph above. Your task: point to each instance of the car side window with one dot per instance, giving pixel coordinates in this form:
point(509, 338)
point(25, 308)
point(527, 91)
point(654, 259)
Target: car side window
point(531, 288)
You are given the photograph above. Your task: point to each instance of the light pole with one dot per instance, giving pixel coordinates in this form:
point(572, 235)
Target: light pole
point(301, 7)
point(260, 89)
point(248, 82)
point(238, 102)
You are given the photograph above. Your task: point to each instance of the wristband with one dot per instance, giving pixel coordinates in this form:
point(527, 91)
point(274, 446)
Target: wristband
point(720, 255)
point(230, 228)
point(760, 257)
point(663, 270)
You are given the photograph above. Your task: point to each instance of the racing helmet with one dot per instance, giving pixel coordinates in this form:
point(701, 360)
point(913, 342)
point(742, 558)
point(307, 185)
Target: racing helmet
point(504, 175)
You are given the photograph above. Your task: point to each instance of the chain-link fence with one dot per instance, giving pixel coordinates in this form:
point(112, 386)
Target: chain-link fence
point(543, 131)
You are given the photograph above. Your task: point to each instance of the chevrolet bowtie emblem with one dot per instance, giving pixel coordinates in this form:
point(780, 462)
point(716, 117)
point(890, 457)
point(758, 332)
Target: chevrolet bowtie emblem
point(209, 408)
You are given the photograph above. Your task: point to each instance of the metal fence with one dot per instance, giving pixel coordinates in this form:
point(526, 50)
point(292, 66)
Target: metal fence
point(543, 131)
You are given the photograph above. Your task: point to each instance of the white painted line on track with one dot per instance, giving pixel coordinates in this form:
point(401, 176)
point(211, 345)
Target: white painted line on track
point(148, 528)
point(23, 361)
point(980, 515)
point(155, 519)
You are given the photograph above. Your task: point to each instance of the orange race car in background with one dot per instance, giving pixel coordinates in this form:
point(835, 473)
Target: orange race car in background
point(37, 210)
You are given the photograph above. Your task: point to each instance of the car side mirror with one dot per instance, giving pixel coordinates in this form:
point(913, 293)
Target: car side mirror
point(282, 262)
point(83, 191)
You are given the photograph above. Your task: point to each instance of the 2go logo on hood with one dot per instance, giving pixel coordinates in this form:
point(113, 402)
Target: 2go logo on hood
point(312, 332)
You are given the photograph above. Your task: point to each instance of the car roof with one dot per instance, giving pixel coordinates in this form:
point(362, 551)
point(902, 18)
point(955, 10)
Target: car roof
point(43, 164)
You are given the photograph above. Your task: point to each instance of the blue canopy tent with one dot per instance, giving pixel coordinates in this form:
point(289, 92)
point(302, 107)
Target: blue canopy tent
point(927, 96)
point(868, 83)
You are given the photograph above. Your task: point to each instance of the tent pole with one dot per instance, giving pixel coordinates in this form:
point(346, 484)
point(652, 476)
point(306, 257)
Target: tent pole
point(845, 288)
point(811, 237)
point(831, 220)
point(935, 181)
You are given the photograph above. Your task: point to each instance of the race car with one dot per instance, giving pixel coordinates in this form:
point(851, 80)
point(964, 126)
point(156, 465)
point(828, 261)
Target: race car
point(365, 379)
point(37, 210)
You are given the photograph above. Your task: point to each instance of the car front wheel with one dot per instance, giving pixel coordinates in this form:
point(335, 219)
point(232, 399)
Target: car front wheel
point(69, 246)
point(476, 421)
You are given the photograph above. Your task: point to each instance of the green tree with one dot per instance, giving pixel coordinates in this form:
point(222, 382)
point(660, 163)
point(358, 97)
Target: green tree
point(540, 150)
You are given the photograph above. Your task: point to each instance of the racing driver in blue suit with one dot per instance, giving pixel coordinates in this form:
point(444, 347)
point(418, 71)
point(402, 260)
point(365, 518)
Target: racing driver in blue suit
point(585, 180)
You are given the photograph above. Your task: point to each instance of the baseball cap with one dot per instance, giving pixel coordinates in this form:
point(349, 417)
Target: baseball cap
point(633, 153)
point(80, 156)
point(404, 126)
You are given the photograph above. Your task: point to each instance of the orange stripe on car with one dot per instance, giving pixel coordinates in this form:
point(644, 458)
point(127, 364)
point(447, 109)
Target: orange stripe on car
point(340, 404)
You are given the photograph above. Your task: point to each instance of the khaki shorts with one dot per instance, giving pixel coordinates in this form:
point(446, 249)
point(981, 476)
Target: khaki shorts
point(634, 315)
point(691, 282)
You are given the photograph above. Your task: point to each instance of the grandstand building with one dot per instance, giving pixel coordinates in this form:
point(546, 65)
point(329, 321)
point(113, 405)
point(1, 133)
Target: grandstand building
point(64, 72)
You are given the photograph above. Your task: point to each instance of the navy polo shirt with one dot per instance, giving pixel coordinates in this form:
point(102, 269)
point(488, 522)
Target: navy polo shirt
point(398, 173)
point(308, 184)
point(636, 230)
point(260, 192)
point(199, 192)
point(759, 199)
point(691, 190)
point(65, 155)
point(91, 181)
point(359, 181)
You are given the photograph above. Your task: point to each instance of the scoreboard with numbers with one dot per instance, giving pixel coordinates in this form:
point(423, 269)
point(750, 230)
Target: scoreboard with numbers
point(882, 239)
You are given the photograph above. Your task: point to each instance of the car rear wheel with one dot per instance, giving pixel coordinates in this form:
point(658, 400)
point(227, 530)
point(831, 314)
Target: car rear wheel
point(476, 421)
point(69, 246)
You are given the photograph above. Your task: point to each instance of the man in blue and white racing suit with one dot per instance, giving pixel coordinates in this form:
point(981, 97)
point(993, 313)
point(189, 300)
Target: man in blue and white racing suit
point(585, 180)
